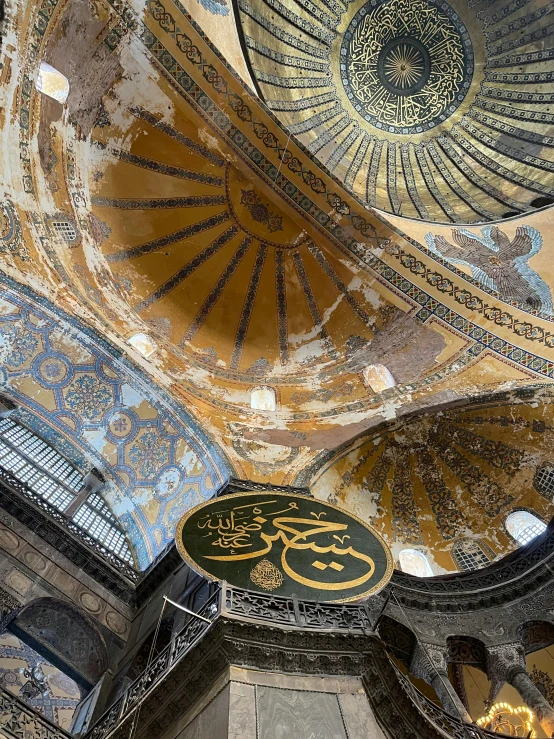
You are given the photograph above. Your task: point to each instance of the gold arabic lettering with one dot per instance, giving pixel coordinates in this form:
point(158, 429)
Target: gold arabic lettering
point(405, 62)
point(235, 529)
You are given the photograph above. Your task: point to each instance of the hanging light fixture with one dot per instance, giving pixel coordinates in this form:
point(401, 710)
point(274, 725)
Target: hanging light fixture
point(505, 719)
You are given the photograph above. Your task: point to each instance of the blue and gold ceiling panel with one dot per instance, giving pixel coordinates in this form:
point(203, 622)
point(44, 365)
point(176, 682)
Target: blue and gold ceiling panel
point(75, 390)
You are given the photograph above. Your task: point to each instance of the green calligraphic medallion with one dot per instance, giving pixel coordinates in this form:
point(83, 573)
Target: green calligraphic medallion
point(286, 545)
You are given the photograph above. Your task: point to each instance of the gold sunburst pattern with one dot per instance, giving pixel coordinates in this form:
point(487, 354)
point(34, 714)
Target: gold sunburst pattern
point(404, 66)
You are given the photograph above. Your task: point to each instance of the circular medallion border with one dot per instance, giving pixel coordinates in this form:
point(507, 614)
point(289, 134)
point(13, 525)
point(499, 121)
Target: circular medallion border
point(383, 81)
point(53, 370)
point(385, 578)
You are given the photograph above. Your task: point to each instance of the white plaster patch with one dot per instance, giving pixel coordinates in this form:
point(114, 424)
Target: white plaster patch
point(188, 460)
point(6, 346)
point(119, 504)
point(371, 295)
point(131, 397)
point(7, 308)
point(209, 140)
point(96, 438)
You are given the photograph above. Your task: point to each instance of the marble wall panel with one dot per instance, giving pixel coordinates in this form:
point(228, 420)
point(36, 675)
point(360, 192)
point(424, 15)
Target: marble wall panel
point(242, 711)
point(212, 722)
point(296, 713)
point(358, 717)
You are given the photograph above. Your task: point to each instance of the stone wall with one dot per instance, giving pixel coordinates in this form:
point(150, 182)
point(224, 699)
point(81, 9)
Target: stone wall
point(247, 704)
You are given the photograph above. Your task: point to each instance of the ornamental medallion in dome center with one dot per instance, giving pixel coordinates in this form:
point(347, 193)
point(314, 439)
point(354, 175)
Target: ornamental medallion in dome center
point(406, 65)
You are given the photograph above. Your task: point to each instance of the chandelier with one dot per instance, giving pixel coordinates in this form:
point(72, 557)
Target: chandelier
point(510, 721)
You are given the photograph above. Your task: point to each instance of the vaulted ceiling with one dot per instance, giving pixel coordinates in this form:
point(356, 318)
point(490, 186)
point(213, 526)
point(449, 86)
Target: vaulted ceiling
point(163, 198)
point(436, 478)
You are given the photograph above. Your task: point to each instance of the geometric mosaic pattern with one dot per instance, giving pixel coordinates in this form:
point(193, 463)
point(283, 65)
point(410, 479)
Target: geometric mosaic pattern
point(75, 392)
point(62, 695)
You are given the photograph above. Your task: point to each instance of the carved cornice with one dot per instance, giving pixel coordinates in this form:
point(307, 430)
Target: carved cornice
point(516, 576)
point(294, 641)
point(64, 536)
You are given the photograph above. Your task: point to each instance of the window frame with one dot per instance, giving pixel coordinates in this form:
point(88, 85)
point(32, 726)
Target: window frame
point(457, 554)
point(68, 495)
point(531, 513)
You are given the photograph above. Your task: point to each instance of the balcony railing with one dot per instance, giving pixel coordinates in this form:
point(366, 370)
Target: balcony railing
point(159, 668)
point(20, 721)
point(240, 604)
point(444, 722)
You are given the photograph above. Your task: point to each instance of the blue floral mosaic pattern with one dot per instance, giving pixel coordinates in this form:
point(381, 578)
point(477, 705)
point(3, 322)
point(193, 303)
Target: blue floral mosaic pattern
point(79, 393)
point(16, 345)
point(88, 397)
point(149, 453)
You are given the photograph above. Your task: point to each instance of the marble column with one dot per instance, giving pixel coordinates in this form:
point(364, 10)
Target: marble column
point(429, 663)
point(506, 664)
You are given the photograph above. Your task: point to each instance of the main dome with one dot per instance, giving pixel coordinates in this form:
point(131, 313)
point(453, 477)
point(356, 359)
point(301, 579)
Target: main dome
point(406, 66)
point(432, 109)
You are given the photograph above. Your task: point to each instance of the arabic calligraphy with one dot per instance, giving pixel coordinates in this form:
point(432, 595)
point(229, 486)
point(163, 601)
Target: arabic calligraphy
point(266, 575)
point(407, 63)
point(283, 543)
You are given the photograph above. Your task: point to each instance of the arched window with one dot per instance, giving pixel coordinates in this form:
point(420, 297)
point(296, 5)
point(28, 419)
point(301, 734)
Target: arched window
point(51, 477)
point(414, 563)
point(524, 526)
point(263, 399)
point(52, 83)
point(544, 481)
point(468, 554)
point(378, 378)
point(143, 343)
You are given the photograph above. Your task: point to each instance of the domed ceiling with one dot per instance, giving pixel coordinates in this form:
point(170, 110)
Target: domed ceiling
point(164, 199)
point(215, 267)
point(438, 478)
point(423, 108)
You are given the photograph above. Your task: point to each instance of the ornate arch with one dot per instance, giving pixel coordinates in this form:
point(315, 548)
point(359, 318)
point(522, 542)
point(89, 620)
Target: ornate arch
point(65, 636)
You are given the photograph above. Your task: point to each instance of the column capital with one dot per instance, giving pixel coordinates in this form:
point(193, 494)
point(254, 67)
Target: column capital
point(428, 660)
point(504, 661)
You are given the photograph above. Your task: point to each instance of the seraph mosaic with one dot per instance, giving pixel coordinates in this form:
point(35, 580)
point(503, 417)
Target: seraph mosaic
point(499, 262)
point(75, 392)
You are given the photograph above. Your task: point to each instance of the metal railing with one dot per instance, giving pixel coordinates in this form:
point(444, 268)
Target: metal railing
point(20, 721)
point(158, 669)
point(449, 725)
point(285, 611)
point(235, 603)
